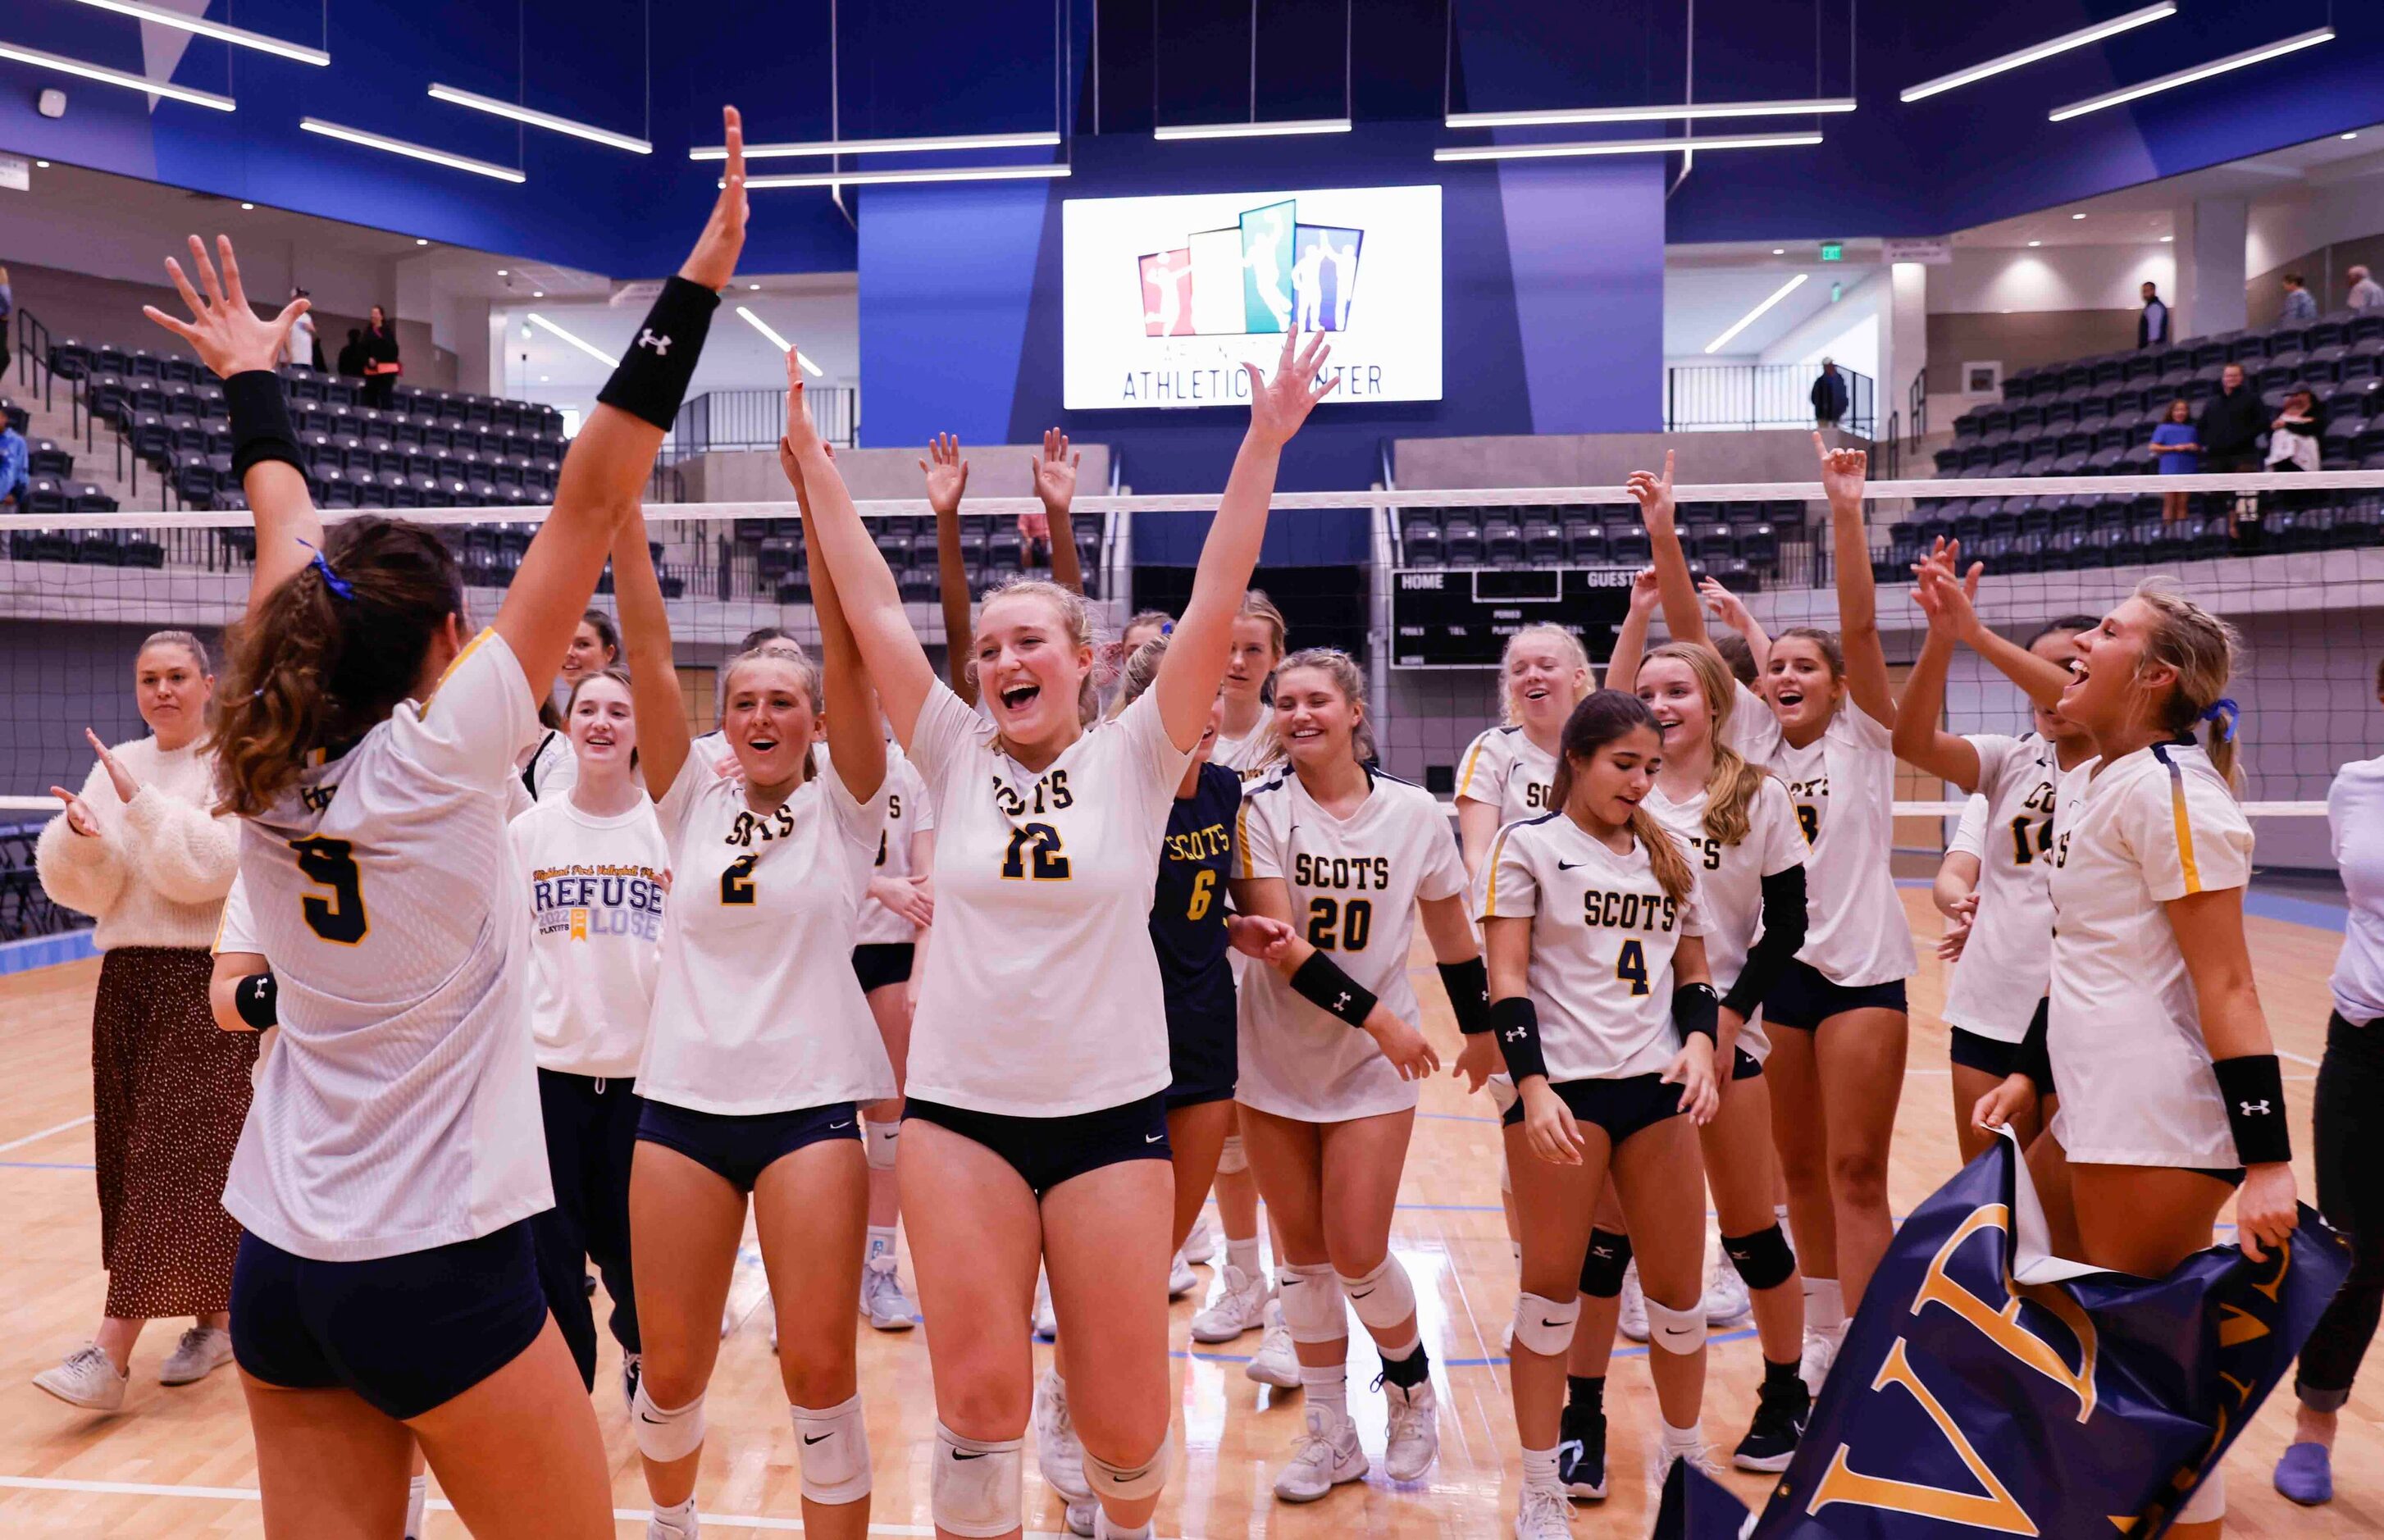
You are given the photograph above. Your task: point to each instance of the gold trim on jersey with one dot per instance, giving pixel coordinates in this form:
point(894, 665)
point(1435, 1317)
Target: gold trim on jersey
point(445, 673)
point(2177, 812)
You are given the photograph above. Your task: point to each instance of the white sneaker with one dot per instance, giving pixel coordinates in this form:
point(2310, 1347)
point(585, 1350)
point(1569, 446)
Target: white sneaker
point(86, 1379)
point(1726, 1295)
point(1200, 1245)
point(1181, 1279)
point(1326, 1455)
point(1542, 1515)
point(1046, 1324)
point(1275, 1363)
point(1056, 1450)
point(202, 1350)
point(1633, 1323)
point(1820, 1351)
point(881, 1300)
point(1411, 1440)
point(1240, 1305)
point(1082, 1515)
point(657, 1527)
point(1660, 1460)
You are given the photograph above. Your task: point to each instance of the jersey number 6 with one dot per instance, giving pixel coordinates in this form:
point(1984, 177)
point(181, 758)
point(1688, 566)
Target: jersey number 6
point(736, 880)
point(1204, 894)
point(331, 863)
point(1043, 841)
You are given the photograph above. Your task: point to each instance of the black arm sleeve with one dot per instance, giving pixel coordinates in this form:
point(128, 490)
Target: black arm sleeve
point(1468, 984)
point(1322, 983)
point(1517, 1022)
point(1783, 936)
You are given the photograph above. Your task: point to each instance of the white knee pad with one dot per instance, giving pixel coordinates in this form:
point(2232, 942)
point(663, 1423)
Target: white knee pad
point(1544, 1326)
point(974, 1489)
point(1312, 1303)
point(1130, 1484)
point(2208, 1502)
point(833, 1452)
point(1674, 1331)
point(663, 1437)
point(1384, 1298)
point(1231, 1157)
point(880, 1143)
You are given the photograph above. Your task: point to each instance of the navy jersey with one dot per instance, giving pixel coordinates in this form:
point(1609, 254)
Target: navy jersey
point(1187, 911)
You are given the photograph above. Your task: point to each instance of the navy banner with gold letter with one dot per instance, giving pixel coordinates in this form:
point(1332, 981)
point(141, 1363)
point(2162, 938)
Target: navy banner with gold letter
point(1989, 1388)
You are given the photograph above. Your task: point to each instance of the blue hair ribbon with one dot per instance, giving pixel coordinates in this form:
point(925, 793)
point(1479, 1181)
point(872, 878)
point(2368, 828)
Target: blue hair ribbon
point(2225, 713)
point(339, 586)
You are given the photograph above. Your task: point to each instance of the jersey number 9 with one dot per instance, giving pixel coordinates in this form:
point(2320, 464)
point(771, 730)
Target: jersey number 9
point(331, 863)
point(1354, 920)
point(736, 880)
point(1204, 894)
point(1043, 841)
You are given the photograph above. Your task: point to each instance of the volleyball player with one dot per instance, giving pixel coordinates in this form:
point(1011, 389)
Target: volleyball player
point(390, 1164)
point(1349, 856)
point(1601, 1007)
point(2171, 1098)
point(593, 871)
point(887, 934)
point(1836, 1014)
point(1054, 475)
point(595, 645)
point(2001, 974)
point(1143, 626)
point(1036, 1124)
point(762, 1044)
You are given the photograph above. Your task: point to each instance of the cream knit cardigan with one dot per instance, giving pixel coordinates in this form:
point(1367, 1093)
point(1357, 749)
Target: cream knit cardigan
point(156, 873)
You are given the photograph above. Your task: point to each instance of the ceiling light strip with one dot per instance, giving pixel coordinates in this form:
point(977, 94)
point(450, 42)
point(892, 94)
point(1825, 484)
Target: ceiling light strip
point(590, 349)
point(106, 76)
point(869, 178)
point(238, 37)
point(1042, 139)
point(411, 150)
point(1281, 127)
point(542, 119)
point(2044, 50)
point(1749, 318)
point(2198, 73)
point(1648, 115)
point(1623, 146)
point(766, 329)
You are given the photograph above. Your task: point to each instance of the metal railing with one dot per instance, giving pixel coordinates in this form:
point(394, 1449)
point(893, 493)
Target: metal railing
point(1716, 396)
point(33, 344)
point(757, 419)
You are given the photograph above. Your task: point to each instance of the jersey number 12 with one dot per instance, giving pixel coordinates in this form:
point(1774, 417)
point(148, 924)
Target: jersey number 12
point(1042, 842)
point(331, 864)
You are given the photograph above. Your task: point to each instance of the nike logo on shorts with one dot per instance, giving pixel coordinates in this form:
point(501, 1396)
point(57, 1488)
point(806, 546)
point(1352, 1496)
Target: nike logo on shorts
point(846, 1124)
point(1152, 1139)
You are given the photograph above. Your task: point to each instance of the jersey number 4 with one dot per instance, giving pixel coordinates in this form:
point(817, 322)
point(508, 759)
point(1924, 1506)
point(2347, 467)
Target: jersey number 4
point(736, 880)
point(1354, 921)
point(1632, 964)
point(1034, 853)
point(331, 864)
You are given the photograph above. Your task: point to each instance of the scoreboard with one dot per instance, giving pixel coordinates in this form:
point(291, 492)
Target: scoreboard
point(1460, 617)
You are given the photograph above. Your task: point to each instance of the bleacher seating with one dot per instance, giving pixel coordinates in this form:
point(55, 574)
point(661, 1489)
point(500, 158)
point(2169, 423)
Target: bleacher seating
point(1738, 543)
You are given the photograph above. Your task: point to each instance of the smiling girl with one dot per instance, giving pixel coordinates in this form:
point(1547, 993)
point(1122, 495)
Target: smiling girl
point(595, 646)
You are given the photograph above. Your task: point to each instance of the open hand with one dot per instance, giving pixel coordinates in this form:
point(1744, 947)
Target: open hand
point(1548, 1123)
point(946, 474)
point(714, 261)
point(1693, 1070)
point(1402, 1045)
point(1725, 606)
point(1842, 474)
point(1645, 591)
point(78, 813)
point(1654, 495)
point(126, 786)
point(1478, 1060)
point(1055, 473)
point(228, 337)
point(1279, 405)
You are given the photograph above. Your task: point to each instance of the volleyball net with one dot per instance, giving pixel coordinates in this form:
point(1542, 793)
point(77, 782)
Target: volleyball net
point(1422, 587)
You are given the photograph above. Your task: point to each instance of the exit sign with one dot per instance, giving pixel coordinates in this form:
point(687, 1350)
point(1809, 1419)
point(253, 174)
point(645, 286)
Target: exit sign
point(1833, 251)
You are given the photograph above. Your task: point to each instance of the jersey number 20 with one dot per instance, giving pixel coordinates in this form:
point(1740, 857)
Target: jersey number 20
point(331, 863)
point(1354, 920)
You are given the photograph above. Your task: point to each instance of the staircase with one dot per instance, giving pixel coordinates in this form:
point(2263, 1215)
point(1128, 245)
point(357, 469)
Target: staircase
point(101, 464)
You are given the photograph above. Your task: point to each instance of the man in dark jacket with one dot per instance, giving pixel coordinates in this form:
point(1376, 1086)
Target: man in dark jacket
point(352, 355)
point(2151, 326)
point(1830, 395)
point(2229, 433)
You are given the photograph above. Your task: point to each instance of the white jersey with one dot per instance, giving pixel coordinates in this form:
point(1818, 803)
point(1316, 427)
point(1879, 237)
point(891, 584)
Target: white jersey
point(400, 1111)
point(1842, 788)
point(552, 768)
point(1354, 884)
point(909, 810)
point(2008, 958)
point(1041, 997)
point(595, 888)
point(1505, 769)
point(236, 932)
point(2128, 1058)
point(1730, 881)
point(1247, 756)
point(757, 1009)
point(1604, 933)
point(2355, 815)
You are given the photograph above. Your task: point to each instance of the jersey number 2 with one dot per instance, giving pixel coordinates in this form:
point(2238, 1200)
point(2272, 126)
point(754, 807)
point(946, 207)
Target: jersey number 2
point(1633, 964)
point(1047, 864)
point(331, 863)
point(736, 880)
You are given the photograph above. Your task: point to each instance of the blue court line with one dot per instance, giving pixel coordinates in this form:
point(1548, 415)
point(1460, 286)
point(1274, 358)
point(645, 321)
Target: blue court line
point(45, 1165)
point(2299, 912)
point(1634, 1351)
point(1456, 1117)
point(42, 951)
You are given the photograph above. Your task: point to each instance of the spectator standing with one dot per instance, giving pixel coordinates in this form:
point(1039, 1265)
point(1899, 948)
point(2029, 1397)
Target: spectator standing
point(1830, 394)
point(352, 355)
point(2180, 456)
point(2230, 435)
point(2151, 326)
point(2300, 307)
point(381, 365)
point(300, 347)
point(14, 453)
point(2365, 292)
point(141, 849)
point(2294, 435)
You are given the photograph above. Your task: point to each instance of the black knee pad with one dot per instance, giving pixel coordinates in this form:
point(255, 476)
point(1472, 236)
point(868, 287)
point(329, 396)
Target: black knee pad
point(1763, 1259)
point(1602, 1266)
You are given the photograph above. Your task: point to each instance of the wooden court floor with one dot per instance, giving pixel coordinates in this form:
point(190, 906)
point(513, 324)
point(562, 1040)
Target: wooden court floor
point(180, 1462)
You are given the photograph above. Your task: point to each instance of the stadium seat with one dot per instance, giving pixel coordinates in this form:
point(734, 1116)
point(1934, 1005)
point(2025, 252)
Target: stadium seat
point(1585, 542)
point(1502, 540)
point(45, 457)
point(1461, 538)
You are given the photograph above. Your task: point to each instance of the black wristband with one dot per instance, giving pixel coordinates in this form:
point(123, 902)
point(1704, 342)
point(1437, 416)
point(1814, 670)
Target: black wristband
point(651, 380)
point(1517, 1022)
point(1782, 938)
point(2035, 1057)
point(1696, 1010)
point(2254, 1088)
point(1468, 984)
point(1321, 981)
point(260, 422)
point(256, 1000)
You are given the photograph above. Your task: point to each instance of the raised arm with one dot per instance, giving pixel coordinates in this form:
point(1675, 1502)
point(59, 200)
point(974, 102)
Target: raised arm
point(1842, 483)
point(1631, 637)
point(646, 645)
point(842, 552)
point(854, 743)
point(1055, 483)
point(1683, 617)
point(2040, 680)
point(1731, 611)
point(1918, 738)
point(947, 476)
point(1187, 685)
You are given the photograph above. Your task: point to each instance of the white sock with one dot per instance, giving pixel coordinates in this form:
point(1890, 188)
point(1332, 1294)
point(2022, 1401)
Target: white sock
point(1825, 1306)
point(1244, 1254)
point(1112, 1530)
point(1540, 1468)
point(417, 1497)
point(678, 1519)
point(1327, 1388)
point(1395, 1352)
point(881, 1241)
point(1680, 1441)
